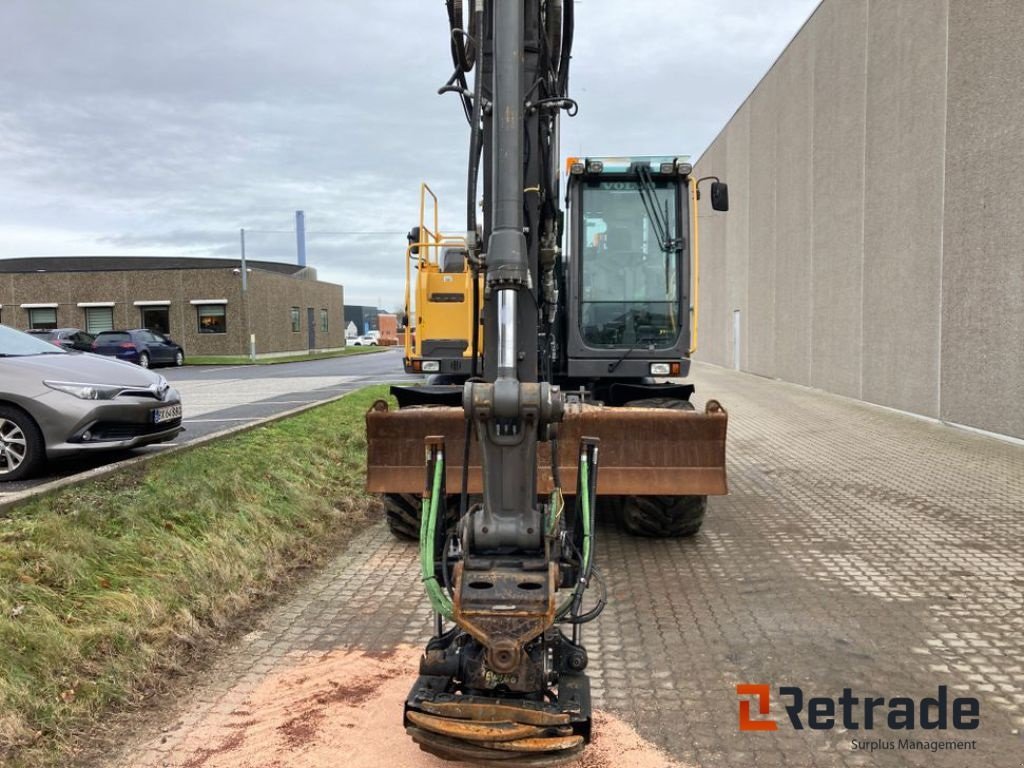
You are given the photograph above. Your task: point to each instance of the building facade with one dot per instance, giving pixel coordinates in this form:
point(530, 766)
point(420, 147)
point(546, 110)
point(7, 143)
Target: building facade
point(873, 248)
point(364, 318)
point(200, 303)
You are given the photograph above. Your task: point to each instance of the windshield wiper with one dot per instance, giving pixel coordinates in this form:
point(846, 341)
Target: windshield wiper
point(639, 340)
point(649, 197)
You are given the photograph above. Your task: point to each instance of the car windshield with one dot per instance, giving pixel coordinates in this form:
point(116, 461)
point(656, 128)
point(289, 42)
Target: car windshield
point(629, 282)
point(20, 344)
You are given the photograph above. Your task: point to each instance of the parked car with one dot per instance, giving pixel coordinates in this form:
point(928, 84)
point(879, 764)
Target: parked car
point(366, 340)
point(54, 403)
point(67, 338)
point(139, 346)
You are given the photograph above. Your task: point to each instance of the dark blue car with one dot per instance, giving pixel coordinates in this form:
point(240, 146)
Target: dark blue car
point(142, 347)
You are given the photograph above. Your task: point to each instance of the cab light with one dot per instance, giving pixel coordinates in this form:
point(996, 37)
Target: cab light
point(595, 166)
point(431, 366)
point(660, 369)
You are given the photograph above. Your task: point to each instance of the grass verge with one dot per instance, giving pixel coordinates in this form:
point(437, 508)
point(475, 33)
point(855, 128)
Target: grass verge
point(240, 360)
point(108, 587)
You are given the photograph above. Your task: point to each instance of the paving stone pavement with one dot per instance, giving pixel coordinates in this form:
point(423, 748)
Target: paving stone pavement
point(858, 548)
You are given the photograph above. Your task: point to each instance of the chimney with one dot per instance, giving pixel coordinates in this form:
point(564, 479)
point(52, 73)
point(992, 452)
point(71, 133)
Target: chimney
point(300, 236)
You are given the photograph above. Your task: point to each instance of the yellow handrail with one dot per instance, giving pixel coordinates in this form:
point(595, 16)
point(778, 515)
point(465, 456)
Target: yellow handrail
point(696, 266)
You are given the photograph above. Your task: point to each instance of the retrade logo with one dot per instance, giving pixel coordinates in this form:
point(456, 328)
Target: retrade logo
point(853, 713)
point(763, 694)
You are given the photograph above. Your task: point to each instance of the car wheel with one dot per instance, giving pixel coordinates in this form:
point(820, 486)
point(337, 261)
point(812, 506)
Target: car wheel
point(179, 358)
point(22, 451)
point(144, 360)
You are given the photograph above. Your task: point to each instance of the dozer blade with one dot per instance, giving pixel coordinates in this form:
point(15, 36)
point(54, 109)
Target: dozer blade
point(644, 451)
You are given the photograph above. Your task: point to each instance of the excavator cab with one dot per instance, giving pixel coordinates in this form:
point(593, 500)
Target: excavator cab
point(630, 271)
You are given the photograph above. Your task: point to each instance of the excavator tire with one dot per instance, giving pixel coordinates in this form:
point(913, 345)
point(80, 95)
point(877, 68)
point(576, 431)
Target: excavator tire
point(663, 517)
point(403, 514)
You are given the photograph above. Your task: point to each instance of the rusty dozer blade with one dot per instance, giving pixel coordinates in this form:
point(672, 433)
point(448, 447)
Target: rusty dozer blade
point(644, 451)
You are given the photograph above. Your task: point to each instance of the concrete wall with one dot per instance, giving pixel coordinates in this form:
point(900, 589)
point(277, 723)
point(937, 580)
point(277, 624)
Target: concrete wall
point(874, 244)
point(271, 297)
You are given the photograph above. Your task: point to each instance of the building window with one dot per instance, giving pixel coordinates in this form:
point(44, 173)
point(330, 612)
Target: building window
point(296, 320)
point(42, 318)
point(157, 319)
point(323, 320)
point(99, 319)
point(212, 318)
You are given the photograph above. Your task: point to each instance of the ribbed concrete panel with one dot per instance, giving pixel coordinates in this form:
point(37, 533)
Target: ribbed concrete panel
point(876, 174)
point(983, 264)
point(737, 224)
point(760, 336)
point(793, 112)
point(714, 278)
point(903, 216)
point(838, 195)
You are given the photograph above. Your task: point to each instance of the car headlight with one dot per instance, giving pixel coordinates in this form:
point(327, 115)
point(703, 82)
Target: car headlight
point(86, 391)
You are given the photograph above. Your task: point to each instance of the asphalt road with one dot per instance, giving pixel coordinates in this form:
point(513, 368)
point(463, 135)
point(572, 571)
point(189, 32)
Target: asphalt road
point(218, 397)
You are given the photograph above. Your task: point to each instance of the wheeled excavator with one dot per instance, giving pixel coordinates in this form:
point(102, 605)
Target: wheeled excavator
point(565, 406)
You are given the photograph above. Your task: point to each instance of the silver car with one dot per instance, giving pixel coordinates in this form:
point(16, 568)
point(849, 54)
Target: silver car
point(56, 403)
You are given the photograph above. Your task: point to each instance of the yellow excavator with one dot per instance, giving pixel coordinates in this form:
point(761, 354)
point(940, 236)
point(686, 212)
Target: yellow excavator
point(588, 320)
point(440, 298)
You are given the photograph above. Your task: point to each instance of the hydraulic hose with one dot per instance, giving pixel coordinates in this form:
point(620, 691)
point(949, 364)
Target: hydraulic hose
point(586, 515)
point(441, 603)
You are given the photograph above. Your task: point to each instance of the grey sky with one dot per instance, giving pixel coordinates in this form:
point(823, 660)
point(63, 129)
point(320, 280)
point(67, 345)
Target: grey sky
point(144, 127)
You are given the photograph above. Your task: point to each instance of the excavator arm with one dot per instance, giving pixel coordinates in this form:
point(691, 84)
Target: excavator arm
point(500, 679)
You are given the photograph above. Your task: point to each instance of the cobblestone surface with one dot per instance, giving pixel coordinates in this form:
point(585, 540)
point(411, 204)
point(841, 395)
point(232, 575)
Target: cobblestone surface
point(858, 548)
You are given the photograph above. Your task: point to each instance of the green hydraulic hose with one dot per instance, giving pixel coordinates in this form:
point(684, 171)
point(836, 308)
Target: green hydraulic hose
point(428, 526)
point(585, 512)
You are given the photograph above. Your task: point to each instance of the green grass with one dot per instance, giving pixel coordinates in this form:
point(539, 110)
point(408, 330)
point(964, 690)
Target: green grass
point(240, 360)
point(107, 587)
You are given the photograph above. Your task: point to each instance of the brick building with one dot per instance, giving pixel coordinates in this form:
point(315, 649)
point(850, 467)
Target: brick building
point(199, 302)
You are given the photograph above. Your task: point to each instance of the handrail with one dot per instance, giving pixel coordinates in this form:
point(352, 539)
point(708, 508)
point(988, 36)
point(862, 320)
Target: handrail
point(431, 240)
point(695, 320)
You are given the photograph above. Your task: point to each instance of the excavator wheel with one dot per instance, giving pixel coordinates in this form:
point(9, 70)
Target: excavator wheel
point(403, 514)
point(664, 517)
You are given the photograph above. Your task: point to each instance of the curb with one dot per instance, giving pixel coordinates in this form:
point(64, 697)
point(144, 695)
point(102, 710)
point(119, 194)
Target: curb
point(108, 469)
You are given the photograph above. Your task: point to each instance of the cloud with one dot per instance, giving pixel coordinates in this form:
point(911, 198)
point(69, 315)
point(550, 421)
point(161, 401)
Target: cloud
point(164, 127)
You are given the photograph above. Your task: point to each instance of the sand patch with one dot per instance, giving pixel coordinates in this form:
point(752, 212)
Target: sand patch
point(345, 708)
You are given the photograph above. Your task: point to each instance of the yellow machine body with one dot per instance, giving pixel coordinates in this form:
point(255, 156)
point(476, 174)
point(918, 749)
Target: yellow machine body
point(438, 298)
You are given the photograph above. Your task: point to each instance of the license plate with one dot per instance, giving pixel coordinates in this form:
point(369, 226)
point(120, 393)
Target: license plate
point(168, 413)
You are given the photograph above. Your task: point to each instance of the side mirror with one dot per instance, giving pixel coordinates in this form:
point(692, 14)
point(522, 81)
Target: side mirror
point(719, 196)
point(414, 237)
